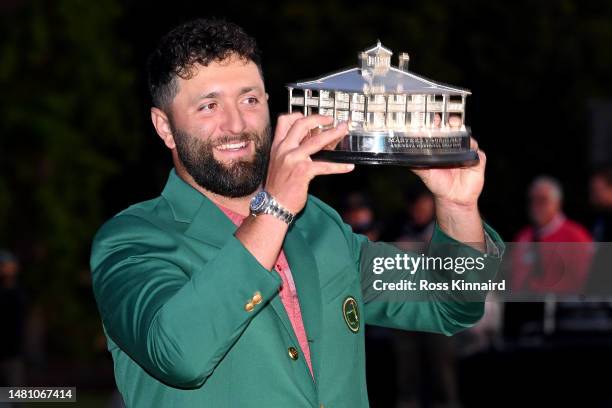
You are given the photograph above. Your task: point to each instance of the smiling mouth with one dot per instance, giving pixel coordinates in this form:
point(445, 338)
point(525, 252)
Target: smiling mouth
point(232, 146)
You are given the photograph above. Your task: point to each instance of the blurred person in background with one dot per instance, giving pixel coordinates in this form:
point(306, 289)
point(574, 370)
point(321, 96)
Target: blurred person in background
point(426, 369)
point(600, 276)
point(358, 212)
point(550, 268)
point(601, 199)
point(420, 216)
point(13, 312)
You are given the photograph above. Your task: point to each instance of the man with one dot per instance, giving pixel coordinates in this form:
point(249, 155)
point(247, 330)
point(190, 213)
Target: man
point(420, 217)
point(599, 281)
point(204, 305)
point(601, 198)
point(358, 213)
point(550, 267)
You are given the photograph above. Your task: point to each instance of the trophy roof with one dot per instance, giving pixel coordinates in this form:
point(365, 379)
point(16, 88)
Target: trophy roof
point(394, 80)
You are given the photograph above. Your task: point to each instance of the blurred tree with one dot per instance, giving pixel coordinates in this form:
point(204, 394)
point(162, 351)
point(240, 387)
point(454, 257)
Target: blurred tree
point(68, 122)
point(73, 108)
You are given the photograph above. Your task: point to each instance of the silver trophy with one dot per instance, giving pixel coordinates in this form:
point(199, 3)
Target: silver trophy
point(394, 116)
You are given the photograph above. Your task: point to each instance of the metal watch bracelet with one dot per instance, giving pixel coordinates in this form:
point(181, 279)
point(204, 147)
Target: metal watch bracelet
point(275, 209)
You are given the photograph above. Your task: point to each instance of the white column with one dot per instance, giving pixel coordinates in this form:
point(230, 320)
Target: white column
point(406, 111)
point(366, 122)
point(386, 111)
point(426, 124)
point(306, 95)
point(444, 110)
point(335, 113)
point(290, 98)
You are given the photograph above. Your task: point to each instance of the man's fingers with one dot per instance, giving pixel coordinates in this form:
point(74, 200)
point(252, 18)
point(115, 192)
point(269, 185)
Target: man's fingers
point(473, 144)
point(328, 137)
point(301, 128)
point(283, 124)
point(482, 157)
point(319, 168)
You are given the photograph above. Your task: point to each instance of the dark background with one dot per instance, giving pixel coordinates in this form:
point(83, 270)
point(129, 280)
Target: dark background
point(77, 146)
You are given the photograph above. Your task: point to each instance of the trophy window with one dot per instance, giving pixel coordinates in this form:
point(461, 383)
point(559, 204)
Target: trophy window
point(356, 117)
point(435, 120)
point(455, 103)
point(455, 121)
point(342, 116)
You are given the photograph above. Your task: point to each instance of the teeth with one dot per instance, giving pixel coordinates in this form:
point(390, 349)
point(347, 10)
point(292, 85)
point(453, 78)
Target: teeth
point(231, 146)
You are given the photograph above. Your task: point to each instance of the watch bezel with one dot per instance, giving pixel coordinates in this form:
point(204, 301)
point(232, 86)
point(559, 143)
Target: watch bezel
point(264, 197)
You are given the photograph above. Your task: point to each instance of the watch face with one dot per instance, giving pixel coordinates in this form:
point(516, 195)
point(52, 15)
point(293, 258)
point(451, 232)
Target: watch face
point(258, 201)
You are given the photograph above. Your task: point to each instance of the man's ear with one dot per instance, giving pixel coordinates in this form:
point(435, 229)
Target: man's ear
point(267, 97)
point(162, 126)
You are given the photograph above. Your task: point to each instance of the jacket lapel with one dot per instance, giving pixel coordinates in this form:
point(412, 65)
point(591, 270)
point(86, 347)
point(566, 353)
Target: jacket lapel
point(306, 276)
point(206, 222)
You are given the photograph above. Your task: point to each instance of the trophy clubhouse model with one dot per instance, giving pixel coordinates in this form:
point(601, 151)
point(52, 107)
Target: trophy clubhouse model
point(394, 116)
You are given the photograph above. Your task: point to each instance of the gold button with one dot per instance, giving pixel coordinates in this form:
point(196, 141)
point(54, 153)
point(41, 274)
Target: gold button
point(293, 353)
point(257, 298)
point(249, 307)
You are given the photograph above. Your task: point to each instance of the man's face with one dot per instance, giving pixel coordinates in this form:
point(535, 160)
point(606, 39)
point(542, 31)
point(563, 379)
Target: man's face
point(221, 126)
point(544, 205)
point(423, 210)
point(8, 269)
point(600, 192)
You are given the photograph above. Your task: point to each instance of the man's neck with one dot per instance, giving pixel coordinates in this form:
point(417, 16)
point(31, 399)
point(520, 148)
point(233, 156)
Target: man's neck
point(238, 205)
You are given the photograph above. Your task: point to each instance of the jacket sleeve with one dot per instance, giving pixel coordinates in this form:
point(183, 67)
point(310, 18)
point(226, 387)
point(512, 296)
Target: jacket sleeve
point(177, 325)
point(436, 311)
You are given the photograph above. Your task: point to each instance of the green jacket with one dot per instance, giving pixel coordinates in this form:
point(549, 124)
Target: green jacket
point(172, 284)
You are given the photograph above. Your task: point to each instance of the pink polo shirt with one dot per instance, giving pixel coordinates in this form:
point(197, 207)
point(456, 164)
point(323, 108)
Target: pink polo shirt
point(288, 292)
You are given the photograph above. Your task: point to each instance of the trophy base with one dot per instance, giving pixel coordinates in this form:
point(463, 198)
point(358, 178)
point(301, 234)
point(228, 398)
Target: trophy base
point(457, 159)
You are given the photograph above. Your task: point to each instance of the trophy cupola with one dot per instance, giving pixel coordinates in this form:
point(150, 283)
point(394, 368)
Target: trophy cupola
point(375, 60)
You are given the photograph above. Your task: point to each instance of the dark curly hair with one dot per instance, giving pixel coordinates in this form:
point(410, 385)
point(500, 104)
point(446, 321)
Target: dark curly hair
point(200, 41)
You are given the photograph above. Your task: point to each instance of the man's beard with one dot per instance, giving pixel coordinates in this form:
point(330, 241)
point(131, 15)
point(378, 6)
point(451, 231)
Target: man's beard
point(238, 178)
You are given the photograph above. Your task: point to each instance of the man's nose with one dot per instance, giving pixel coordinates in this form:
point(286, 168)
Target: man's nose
point(232, 121)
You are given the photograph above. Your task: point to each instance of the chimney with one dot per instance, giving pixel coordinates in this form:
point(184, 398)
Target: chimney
point(363, 61)
point(404, 59)
point(363, 65)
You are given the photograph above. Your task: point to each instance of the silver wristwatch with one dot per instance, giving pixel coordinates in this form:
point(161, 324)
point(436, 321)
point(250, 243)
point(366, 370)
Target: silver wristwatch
point(264, 203)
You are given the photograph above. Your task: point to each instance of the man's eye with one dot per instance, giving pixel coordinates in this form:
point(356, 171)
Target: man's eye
point(251, 100)
point(208, 107)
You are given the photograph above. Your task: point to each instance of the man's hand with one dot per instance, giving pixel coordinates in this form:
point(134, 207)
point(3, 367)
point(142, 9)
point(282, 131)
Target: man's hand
point(291, 169)
point(456, 192)
point(458, 186)
point(289, 174)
